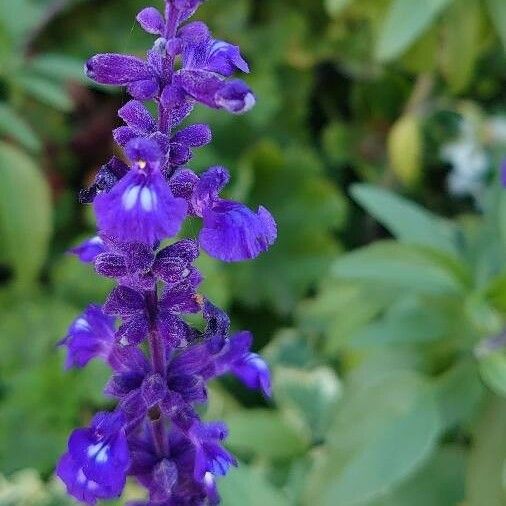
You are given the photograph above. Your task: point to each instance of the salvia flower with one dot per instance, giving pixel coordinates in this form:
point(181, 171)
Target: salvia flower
point(161, 364)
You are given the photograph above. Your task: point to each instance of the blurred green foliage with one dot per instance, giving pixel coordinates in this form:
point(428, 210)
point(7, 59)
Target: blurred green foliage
point(382, 307)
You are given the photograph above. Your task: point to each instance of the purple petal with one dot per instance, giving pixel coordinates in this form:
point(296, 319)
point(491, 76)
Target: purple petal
point(202, 85)
point(89, 249)
point(136, 116)
point(232, 232)
point(79, 486)
point(151, 21)
point(253, 371)
point(102, 451)
point(91, 335)
point(235, 96)
point(117, 69)
point(140, 208)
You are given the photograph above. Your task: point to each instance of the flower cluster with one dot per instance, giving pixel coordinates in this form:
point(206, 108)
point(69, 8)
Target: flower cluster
point(160, 363)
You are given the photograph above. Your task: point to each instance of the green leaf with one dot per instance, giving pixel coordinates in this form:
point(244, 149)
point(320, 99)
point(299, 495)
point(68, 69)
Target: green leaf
point(25, 213)
point(497, 11)
point(406, 220)
point(251, 487)
point(485, 472)
point(410, 320)
point(405, 21)
point(459, 53)
point(58, 67)
point(459, 392)
point(14, 126)
point(311, 396)
point(384, 432)
point(493, 371)
point(341, 309)
point(264, 433)
point(45, 91)
point(399, 265)
point(439, 483)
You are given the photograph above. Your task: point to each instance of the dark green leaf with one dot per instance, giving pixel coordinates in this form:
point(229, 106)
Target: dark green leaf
point(406, 220)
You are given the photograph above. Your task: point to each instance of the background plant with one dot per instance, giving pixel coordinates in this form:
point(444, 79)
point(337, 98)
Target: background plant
point(347, 94)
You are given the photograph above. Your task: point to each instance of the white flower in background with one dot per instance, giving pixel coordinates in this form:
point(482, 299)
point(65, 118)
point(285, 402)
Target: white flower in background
point(469, 161)
point(470, 154)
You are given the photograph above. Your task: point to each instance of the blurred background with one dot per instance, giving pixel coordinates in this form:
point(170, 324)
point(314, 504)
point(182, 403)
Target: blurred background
point(377, 143)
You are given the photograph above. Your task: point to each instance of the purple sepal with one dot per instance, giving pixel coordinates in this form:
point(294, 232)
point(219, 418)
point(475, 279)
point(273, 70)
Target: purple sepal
point(151, 21)
point(140, 208)
point(97, 461)
point(153, 389)
point(133, 331)
point(143, 150)
point(196, 136)
point(136, 116)
point(232, 232)
point(110, 265)
point(124, 302)
point(165, 477)
point(108, 175)
point(175, 100)
point(117, 69)
point(88, 250)
point(91, 335)
point(145, 89)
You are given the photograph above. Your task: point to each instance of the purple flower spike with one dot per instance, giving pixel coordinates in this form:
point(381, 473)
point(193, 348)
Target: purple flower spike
point(140, 208)
point(91, 335)
point(97, 461)
point(160, 363)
